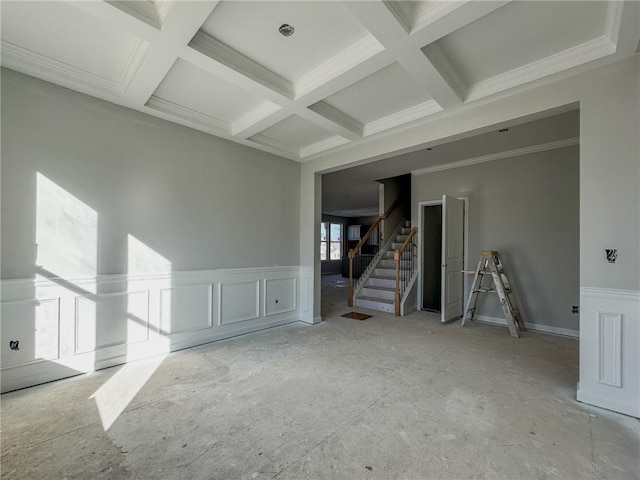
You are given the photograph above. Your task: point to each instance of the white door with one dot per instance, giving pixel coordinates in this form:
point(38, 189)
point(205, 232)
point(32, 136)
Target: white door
point(452, 258)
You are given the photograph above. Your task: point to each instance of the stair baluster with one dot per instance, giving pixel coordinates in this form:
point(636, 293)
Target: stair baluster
point(360, 262)
point(404, 257)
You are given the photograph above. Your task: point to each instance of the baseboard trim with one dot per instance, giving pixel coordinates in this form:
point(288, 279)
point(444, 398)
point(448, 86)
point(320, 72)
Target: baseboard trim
point(313, 321)
point(562, 332)
point(608, 404)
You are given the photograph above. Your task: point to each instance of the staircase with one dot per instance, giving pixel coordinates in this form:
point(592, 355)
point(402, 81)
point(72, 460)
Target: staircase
point(379, 290)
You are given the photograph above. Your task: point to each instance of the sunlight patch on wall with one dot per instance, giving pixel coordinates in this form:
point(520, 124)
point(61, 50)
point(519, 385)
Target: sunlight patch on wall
point(148, 271)
point(66, 267)
point(142, 259)
point(66, 232)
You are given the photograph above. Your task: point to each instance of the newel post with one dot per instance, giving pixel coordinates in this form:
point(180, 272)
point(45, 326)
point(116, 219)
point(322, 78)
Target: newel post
point(350, 290)
point(396, 257)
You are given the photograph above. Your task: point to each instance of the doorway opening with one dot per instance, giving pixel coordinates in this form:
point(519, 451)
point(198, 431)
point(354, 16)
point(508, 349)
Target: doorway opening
point(443, 253)
point(431, 257)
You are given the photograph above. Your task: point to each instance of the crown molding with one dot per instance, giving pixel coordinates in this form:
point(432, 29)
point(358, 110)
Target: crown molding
point(404, 116)
point(189, 115)
point(322, 145)
point(425, 16)
point(334, 115)
point(163, 8)
point(262, 111)
point(354, 55)
point(499, 156)
point(227, 56)
point(572, 57)
point(613, 20)
point(400, 11)
point(146, 12)
point(291, 152)
point(446, 69)
point(32, 63)
point(133, 63)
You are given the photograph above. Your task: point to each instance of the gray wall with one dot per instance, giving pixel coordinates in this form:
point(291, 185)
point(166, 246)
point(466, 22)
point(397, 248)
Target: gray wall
point(199, 201)
point(527, 208)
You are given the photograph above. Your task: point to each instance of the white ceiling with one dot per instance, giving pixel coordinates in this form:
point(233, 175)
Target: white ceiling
point(352, 71)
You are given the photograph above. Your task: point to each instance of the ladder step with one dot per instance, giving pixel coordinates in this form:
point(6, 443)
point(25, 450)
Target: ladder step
point(490, 264)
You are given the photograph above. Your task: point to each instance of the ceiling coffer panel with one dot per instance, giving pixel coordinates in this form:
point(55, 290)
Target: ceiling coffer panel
point(514, 41)
point(55, 41)
point(294, 134)
point(363, 103)
point(322, 30)
point(191, 88)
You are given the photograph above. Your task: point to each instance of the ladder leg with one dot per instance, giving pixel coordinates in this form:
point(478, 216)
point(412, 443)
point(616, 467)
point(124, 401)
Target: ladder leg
point(511, 297)
point(504, 302)
point(516, 310)
point(470, 309)
point(491, 264)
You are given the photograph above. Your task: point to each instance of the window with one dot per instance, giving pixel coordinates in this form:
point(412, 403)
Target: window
point(330, 241)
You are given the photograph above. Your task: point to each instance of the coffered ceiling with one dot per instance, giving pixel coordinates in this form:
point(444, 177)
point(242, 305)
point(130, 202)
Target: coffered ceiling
point(351, 71)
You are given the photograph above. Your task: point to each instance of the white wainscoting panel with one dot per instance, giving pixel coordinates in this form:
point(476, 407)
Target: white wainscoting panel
point(279, 295)
point(35, 326)
point(306, 295)
point(610, 349)
point(185, 309)
point(111, 319)
point(68, 326)
point(239, 302)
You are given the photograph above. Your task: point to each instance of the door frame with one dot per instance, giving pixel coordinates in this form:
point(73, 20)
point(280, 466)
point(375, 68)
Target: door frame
point(466, 280)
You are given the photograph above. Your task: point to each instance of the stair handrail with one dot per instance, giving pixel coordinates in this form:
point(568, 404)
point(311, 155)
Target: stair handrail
point(378, 224)
point(405, 274)
point(357, 285)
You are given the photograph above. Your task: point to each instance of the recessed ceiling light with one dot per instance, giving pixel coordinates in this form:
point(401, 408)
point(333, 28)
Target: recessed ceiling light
point(286, 29)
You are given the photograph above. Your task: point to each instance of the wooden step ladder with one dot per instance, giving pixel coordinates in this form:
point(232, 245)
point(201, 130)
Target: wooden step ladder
point(490, 265)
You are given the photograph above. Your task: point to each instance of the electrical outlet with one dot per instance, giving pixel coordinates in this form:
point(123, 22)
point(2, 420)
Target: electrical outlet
point(575, 309)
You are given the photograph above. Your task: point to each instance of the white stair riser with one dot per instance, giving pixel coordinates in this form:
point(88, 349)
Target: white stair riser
point(371, 305)
point(389, 263)
point(381, 282)
point(374, 292)
point(384, 275)
point(385, 272)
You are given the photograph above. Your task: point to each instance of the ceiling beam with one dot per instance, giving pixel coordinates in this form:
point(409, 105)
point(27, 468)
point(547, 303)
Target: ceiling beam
point(182, 22)
point(379, 21)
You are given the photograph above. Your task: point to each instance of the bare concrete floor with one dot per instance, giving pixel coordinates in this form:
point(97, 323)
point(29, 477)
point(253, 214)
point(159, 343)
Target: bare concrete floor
point(383, 398)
